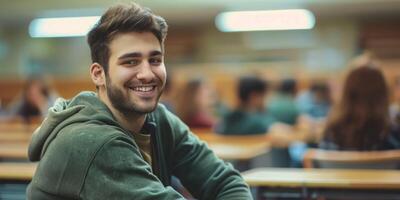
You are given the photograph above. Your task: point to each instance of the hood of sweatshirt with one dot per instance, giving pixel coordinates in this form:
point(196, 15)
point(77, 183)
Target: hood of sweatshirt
point(85, 107)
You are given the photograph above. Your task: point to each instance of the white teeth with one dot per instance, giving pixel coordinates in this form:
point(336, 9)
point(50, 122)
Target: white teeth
point(143, 88)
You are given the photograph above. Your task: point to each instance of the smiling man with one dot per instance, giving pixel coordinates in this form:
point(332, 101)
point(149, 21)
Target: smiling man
point(119, 143)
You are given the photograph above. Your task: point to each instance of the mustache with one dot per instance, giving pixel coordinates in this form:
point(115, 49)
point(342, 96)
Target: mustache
point(140, 83)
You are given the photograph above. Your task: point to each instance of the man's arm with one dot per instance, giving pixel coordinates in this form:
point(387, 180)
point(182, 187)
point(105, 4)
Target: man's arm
point(119, 172)
point(200, 171)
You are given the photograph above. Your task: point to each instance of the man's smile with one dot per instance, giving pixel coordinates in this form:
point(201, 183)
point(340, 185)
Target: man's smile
point(143, 88)
point(147, 91)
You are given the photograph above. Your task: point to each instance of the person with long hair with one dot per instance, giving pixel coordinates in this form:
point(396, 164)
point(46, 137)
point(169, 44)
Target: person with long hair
point(360, 121)
point(195, 104)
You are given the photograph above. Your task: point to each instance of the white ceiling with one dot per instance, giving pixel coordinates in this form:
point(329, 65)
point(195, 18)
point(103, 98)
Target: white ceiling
point(193, 11)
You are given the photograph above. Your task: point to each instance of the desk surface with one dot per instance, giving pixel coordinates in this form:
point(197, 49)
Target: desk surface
point(238, 152)
point(14, 151)
point(323, 178)
point(13, 137)
point(241, 139)
point(15, 146)
point(6, 127)
point(17, 171)
point(236, 147)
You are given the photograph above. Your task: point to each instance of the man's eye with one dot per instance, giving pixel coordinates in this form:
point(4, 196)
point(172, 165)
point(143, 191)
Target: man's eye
point(155, 61)
point(132, 62)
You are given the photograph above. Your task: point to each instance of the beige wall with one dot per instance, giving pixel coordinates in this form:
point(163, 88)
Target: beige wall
point(328, 47)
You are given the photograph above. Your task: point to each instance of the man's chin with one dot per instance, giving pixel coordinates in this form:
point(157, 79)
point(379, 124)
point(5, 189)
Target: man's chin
point(144, 109)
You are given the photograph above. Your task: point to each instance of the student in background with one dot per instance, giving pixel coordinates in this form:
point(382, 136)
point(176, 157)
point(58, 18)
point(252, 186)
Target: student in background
point(316, 102)
point(282, 105)
point(395, 104)
point(195, 104)
point(168, 95)
point(360, 121)
point(36, 98)
point(250, 116)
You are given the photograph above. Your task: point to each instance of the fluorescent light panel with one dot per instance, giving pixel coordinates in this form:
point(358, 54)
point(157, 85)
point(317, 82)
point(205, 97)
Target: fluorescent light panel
point(265, 20)
point(62, 27)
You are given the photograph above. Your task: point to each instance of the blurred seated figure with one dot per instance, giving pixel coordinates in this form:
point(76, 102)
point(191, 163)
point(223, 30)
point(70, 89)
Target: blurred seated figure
point(395, 105)
point(282, 105)
point(35, 99)
point(195, 104)
point(315, 102)
point(250, 117)
point(360, 121)
point(168, 97)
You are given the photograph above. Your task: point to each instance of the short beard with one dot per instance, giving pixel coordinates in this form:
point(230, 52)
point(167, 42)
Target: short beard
point(122, 104)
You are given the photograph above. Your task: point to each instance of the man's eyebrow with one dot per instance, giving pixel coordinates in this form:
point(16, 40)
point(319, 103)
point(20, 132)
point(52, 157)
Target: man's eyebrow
point(137, 54)
point(129, 55)
point(156, 53)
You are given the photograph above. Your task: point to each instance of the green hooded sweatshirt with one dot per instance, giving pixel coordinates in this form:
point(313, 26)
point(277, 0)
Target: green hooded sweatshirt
point(84, 153)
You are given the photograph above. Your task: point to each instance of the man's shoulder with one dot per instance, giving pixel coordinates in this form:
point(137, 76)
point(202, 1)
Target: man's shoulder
point(95, 133)
point(82, 142)
point(65, 163)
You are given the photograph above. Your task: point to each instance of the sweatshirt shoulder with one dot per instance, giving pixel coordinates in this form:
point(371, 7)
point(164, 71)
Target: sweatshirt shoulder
point(89, 136)
point(63, 167)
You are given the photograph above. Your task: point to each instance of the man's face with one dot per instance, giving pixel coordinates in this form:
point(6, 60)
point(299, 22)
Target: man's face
point(136, 74)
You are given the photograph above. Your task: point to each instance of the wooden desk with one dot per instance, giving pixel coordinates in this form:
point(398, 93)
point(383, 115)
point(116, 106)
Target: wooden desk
point(15, 146)
point(6, 127)
point(14, 151)
point(327, 182)
point(15, 137)
point(240, 139)
point(17, 171)
point(236, 147)
point(228, 151)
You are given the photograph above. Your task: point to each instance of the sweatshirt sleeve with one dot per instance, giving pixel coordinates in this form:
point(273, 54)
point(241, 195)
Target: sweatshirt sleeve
point(201, 171)
point(118, 172)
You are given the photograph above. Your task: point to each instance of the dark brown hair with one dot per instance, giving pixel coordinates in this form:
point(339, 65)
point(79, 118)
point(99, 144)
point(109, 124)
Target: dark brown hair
point(249, 85)
point(360, 121)
point(123, 18)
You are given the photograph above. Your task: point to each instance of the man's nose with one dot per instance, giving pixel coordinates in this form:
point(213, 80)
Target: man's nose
point(145, 73)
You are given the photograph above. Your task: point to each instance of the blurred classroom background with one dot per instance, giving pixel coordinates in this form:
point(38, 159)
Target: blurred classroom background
point(297, 77)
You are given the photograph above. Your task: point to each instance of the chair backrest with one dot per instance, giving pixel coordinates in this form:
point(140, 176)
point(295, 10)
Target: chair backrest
point(318, 158)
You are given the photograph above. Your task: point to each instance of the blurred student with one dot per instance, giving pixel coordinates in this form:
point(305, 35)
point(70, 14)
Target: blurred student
point(282, 105)
point(395, 105)
point(119, 143)
point(195, 104)
point(250, 117)
point(360, 121)
point(168, 96)
point(316, 102)
point(36, 99)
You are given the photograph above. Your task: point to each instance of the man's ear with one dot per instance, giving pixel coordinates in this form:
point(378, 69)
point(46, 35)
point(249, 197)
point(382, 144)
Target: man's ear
point(97, 74)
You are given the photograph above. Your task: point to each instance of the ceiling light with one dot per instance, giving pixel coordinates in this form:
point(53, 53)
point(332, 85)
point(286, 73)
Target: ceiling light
point(265, 20)
point(62, 27)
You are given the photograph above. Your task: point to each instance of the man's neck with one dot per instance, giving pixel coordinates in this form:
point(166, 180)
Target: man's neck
point(130, 122)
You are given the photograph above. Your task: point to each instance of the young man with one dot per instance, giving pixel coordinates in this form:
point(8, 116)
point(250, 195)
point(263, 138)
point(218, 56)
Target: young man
point(119, 143)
